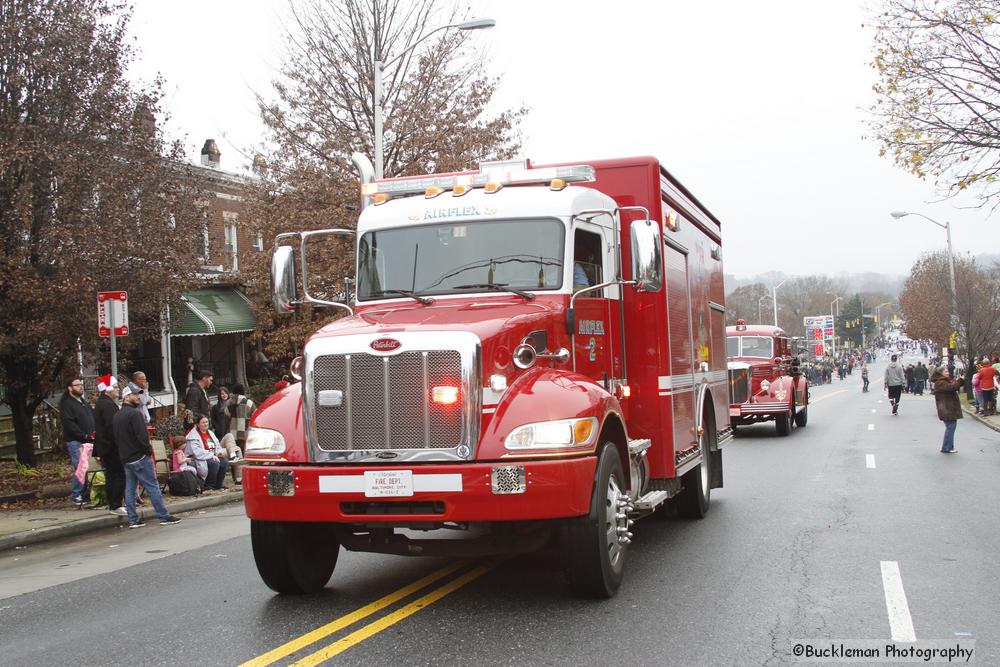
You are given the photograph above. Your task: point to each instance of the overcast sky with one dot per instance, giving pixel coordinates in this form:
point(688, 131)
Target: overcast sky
point(757, 107)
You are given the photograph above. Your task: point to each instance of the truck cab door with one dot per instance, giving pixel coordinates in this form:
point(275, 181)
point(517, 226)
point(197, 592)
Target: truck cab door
point(595, 312)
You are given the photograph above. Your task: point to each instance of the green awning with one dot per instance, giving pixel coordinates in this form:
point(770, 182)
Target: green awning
point(211, 311)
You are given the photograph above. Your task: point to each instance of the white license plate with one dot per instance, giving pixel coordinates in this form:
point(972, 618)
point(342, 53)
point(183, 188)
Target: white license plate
point(734, 412)
point(388, 483)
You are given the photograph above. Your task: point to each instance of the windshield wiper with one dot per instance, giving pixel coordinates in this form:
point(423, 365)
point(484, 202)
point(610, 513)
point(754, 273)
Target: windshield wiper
point(402, 292)
point(497, 287)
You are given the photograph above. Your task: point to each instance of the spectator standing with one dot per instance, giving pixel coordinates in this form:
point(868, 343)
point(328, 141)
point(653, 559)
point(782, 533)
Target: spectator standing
point(140, 386)
point(196, 398)
point(78, 427)
point(242, 409)
point(210, 459)
point(949, 408)
point(988, 385)
point(894, 379)
point(977, 390)
point(132, 439)
point(221, 413)
point(105, 449)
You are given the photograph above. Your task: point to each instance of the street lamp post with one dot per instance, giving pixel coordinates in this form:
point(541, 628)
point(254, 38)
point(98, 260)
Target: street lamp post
point(474, 24)
point(878, 314)
point(837, 302)
point(774, 299)
point(760, 318)
point(951, 276)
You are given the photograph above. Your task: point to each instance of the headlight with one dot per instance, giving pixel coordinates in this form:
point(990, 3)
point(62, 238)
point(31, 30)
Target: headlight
point(264, 441)
point(563, 433)
point(765, 386)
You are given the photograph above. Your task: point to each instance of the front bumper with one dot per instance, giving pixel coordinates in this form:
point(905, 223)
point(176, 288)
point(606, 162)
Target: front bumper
point(554, 489)
point(757, 410)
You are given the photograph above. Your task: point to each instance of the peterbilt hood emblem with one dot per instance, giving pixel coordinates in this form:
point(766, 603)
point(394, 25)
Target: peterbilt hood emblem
point(385, 345)
point(386, 455)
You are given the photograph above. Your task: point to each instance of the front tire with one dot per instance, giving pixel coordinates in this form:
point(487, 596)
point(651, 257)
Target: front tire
point(294, 558)
point(783, 424)
point(802, 416)
point(696, 491)
point(594, 550)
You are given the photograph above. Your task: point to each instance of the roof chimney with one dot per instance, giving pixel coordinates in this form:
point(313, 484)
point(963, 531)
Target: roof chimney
point(210, 154)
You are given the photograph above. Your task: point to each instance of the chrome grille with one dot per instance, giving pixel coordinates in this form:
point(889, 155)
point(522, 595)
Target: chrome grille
point(387, 401)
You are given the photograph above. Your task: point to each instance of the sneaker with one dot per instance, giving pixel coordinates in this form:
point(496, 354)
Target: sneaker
point(138, 524)
point(169, 521)
point(120, 511)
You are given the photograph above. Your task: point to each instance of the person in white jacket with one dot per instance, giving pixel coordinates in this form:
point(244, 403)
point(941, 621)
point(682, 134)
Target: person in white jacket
point(210, 459)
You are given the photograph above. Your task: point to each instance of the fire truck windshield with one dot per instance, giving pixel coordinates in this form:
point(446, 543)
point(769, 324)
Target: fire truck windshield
point(756, 346)
point(441, 259)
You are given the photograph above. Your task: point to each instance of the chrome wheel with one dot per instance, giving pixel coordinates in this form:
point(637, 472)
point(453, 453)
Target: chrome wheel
point(616, 522)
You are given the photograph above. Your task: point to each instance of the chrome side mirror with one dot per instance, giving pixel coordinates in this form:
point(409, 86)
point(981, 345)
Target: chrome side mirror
point(283, 280)
point(647, 256)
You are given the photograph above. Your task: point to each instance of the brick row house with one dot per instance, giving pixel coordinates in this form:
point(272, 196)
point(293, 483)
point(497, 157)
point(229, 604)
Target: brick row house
point(208, 332)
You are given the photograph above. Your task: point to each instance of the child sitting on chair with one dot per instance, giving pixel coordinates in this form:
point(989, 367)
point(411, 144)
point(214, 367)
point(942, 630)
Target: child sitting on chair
point(179, 461)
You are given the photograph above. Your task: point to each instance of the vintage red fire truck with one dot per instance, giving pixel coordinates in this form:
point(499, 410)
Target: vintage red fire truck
point(531, 355)
point(765, 382)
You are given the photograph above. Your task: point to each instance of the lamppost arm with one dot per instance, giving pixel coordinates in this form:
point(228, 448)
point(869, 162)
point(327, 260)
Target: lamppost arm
point(473, 24)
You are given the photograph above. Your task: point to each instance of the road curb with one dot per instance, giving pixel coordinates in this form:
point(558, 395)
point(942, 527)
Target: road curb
point(107, 520)
point(980, 419)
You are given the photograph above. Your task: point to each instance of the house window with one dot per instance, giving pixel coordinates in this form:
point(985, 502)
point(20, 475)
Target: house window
point(258, 242)
point(205, 246)
point(232, 259)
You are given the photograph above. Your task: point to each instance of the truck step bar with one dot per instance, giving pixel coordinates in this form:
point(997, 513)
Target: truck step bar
point(650, 501)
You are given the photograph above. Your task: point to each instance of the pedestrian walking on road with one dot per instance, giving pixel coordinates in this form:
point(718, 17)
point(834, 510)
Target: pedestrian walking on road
point(105, 449)
point(894, 379)
point(132, 440)
point(864, 377)
point(78, 427)
point(949, 408)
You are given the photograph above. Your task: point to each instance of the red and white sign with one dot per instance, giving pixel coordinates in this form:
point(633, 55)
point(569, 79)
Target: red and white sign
point(106, 301)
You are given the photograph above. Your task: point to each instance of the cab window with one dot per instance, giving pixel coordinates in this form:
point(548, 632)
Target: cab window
point(757, 346)
point(586, 260)
point(733, 346)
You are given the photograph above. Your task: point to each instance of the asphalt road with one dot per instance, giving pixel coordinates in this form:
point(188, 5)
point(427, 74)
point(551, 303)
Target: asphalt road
point(791, 550)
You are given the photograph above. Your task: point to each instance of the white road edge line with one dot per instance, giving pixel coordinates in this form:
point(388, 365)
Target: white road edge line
point(900, 623)
point(870, 461)
point(871, 427)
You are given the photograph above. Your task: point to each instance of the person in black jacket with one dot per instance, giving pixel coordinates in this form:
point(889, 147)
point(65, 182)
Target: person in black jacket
point(78, 427)
point(132, 439)
point(105, 449)
point(196, 398)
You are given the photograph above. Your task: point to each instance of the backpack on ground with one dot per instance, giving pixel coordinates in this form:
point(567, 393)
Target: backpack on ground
point(184, 483)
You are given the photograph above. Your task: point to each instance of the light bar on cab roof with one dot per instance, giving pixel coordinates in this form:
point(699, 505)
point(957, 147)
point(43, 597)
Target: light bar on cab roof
point(497, 173)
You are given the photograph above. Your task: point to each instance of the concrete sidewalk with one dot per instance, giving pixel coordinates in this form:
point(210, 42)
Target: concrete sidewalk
point(19, 528)
point(993, 421)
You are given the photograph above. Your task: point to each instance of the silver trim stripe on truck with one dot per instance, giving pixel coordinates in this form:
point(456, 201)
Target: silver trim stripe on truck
point(685, 382)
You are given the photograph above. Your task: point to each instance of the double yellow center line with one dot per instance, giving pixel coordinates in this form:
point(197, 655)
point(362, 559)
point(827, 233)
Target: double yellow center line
point(363, 633)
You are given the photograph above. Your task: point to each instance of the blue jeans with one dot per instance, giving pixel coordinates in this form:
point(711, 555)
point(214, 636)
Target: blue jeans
point(949, 435)
point(76, 491)
point(216, 473)
point(142, 472)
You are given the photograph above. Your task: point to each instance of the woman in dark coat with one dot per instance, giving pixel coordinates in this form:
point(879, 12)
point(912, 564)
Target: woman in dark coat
point(949, 408)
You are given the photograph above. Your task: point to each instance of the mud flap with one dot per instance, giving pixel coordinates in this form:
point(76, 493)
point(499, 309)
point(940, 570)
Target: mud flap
point(715, 470)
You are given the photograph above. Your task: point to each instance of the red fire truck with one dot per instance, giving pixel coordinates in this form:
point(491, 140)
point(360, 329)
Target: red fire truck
point(531, 354)
point(765, 383)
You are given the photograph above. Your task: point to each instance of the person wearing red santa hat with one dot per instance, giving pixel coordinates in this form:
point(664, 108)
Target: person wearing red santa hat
point(105, 449)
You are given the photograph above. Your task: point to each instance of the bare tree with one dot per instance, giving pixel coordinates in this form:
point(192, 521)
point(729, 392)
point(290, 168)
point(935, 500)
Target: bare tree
point(938, 108)
point(437, 119)
point(87, 200)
